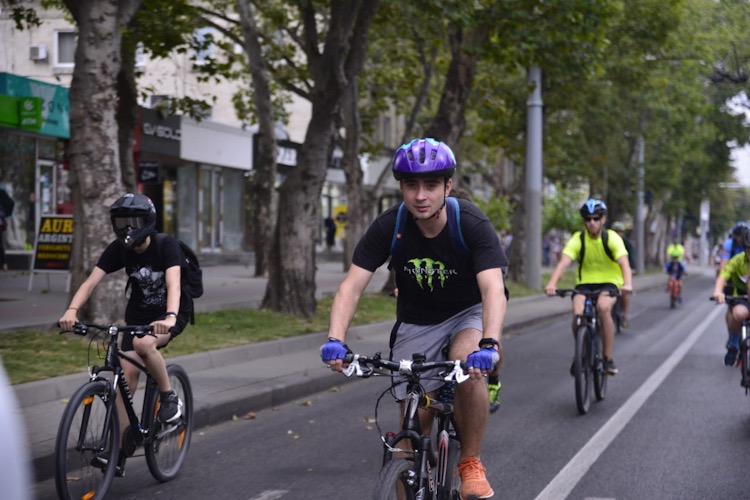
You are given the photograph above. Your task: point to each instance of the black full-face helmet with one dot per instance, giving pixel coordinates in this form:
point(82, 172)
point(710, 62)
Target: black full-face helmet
point(133, 218)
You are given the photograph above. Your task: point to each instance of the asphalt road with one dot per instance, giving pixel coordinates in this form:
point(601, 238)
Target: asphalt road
point(675, 424)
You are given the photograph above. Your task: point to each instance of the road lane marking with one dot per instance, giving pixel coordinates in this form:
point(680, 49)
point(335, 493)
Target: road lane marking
point(562, 484)
point(270, 495)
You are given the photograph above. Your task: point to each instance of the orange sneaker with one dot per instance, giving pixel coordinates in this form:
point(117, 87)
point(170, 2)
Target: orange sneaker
point(474, 484)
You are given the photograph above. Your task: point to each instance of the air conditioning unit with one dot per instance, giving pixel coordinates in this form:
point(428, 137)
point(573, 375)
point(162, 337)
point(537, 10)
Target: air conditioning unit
point(38, 52)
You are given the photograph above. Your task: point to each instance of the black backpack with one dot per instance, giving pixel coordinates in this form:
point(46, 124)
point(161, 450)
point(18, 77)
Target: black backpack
point(191, 274)
point(607, 250)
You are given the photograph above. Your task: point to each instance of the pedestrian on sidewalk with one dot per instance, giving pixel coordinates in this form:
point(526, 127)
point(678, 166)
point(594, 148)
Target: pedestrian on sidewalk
point(444, 298)
point(6, 210)
point(154, 276)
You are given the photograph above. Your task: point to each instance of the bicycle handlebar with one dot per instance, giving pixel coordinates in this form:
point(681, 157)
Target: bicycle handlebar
point(363, 366)
point(83, 329)
point(733, 299)
point(563, 292)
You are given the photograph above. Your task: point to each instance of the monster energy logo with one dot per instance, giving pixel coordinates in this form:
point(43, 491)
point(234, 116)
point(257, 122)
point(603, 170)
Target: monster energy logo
point(426, 270)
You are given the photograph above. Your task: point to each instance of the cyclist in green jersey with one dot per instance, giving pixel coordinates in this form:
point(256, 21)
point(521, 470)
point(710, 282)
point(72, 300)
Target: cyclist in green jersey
point(597, 271)
point(735, 273)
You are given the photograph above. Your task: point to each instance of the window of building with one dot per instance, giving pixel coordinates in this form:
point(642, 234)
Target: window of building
point(65, 48)
point(202, 45)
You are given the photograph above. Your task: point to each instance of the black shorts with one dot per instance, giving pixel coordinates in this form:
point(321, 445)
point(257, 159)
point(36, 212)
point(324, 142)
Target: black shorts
point(592, 287)
point(182, 321)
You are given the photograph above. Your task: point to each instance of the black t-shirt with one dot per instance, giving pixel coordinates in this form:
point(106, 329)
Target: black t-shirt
point(147, 273)
point(435, 280)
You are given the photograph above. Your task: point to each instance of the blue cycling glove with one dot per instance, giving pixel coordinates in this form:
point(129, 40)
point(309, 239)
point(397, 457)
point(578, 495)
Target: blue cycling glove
point(334, 349)
point(484, 359)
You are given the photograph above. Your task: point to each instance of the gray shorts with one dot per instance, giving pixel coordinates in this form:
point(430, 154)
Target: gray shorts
point(430, 340)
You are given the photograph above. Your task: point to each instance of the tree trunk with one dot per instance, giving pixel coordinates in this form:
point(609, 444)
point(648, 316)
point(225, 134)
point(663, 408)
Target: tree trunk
point(357, 200)
point(517, 250)
point(127, 115)
point(291, 283)
point(264, 177)
point(96, 178)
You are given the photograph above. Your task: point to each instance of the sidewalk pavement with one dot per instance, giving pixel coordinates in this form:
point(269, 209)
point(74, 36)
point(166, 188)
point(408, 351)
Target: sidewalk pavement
point(225, 382)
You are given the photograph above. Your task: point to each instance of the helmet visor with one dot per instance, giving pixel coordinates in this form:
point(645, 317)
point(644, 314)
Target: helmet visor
point(131, 222)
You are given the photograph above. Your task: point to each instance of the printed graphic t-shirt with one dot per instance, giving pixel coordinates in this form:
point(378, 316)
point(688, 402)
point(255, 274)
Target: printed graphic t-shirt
point(435, 280)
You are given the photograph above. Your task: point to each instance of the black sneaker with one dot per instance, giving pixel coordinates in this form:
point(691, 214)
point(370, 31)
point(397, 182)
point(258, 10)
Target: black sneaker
point(609, 367)
point(170, 408)
point(101, 460)
point(730, 358)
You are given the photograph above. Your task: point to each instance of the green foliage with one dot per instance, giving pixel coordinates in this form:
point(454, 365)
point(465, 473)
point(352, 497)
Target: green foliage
point(561, 209)
point(498, 210)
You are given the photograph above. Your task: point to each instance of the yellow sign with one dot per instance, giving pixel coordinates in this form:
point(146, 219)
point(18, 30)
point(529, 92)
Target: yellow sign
point(54, 244)
point(339, 216)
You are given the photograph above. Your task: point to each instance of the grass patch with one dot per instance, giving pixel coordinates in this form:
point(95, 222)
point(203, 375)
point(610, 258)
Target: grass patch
point(35, 355)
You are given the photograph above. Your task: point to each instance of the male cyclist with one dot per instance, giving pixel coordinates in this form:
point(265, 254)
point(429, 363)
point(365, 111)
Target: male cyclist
point(734, 272)
point(597, 271)
point(155, 299)
point(733, 245)
point(445, 298)
point(733, 260)
point(675, 269)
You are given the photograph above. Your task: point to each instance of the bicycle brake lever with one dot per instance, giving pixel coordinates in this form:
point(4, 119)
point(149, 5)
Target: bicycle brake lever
point(457, 373)
point(353, 368)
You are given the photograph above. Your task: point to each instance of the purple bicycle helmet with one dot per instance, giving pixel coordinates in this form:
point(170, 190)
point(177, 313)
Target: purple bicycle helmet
point(593, 207)
point(423, 158)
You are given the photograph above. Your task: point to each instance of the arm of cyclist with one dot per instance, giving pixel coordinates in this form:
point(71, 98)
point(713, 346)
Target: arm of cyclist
point(719, 284)
point(494, 306)
point(551, 287)
point(343, 308)
point(162, 326)
point(70, 316)
point(627, 275)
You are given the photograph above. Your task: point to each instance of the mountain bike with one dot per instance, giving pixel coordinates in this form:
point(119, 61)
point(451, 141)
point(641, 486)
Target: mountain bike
point(588, 360)
point(429, 469)
point(90, 427)
point(744, 357)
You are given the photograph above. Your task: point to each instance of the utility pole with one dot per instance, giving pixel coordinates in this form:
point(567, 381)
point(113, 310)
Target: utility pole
point(533, 192)
point(640, 233)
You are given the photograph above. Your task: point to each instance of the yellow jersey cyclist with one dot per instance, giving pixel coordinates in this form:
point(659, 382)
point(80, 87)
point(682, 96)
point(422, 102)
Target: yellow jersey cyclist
point(735, 273)
point(598, 269)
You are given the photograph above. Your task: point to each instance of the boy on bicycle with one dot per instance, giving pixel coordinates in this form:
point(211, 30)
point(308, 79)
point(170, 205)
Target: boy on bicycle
point(675, 269)
point(155, 299)
point(600, 268)
point(444, 297)
point(735, 273)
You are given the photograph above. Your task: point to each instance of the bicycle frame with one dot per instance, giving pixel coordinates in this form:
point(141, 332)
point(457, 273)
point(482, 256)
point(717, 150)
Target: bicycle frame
point(426, 457)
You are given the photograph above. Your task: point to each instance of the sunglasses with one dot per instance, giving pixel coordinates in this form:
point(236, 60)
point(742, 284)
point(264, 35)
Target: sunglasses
point(589, 219)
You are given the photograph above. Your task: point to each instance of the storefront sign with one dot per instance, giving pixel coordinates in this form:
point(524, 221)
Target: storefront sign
point(148, 172)
point(160, 134)
point(53, 115)
point(54, 244)
point(30, 113)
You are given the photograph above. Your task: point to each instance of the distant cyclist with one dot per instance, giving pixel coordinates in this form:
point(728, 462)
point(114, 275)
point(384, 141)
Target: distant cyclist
point(735, 272)
point(734, 246)
point(444, 296)
point(675, 269)
point(155, 299)
point(597, 271)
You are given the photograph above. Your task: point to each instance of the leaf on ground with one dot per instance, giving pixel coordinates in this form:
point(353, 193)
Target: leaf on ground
point(249, 415)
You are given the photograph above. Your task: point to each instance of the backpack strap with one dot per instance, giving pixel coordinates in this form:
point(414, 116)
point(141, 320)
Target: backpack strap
point(454, 224)
point(398, 230)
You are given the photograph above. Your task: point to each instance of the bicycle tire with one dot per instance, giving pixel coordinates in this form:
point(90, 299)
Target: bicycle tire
point(167, 445)
point(393, 481)
point(80, 437)
point(582, 369)
point(452, 487)
point(597, 367)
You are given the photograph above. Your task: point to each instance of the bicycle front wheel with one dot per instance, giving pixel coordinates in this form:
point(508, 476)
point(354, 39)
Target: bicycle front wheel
point(582, 369)
point(597, 368)
point(394, 481)
point(168, 443)
point(87, 439)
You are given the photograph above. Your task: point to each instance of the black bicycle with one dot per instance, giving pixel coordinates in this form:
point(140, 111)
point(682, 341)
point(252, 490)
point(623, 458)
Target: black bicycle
point(588, 360)
point(429, 470)
point(89, 434)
